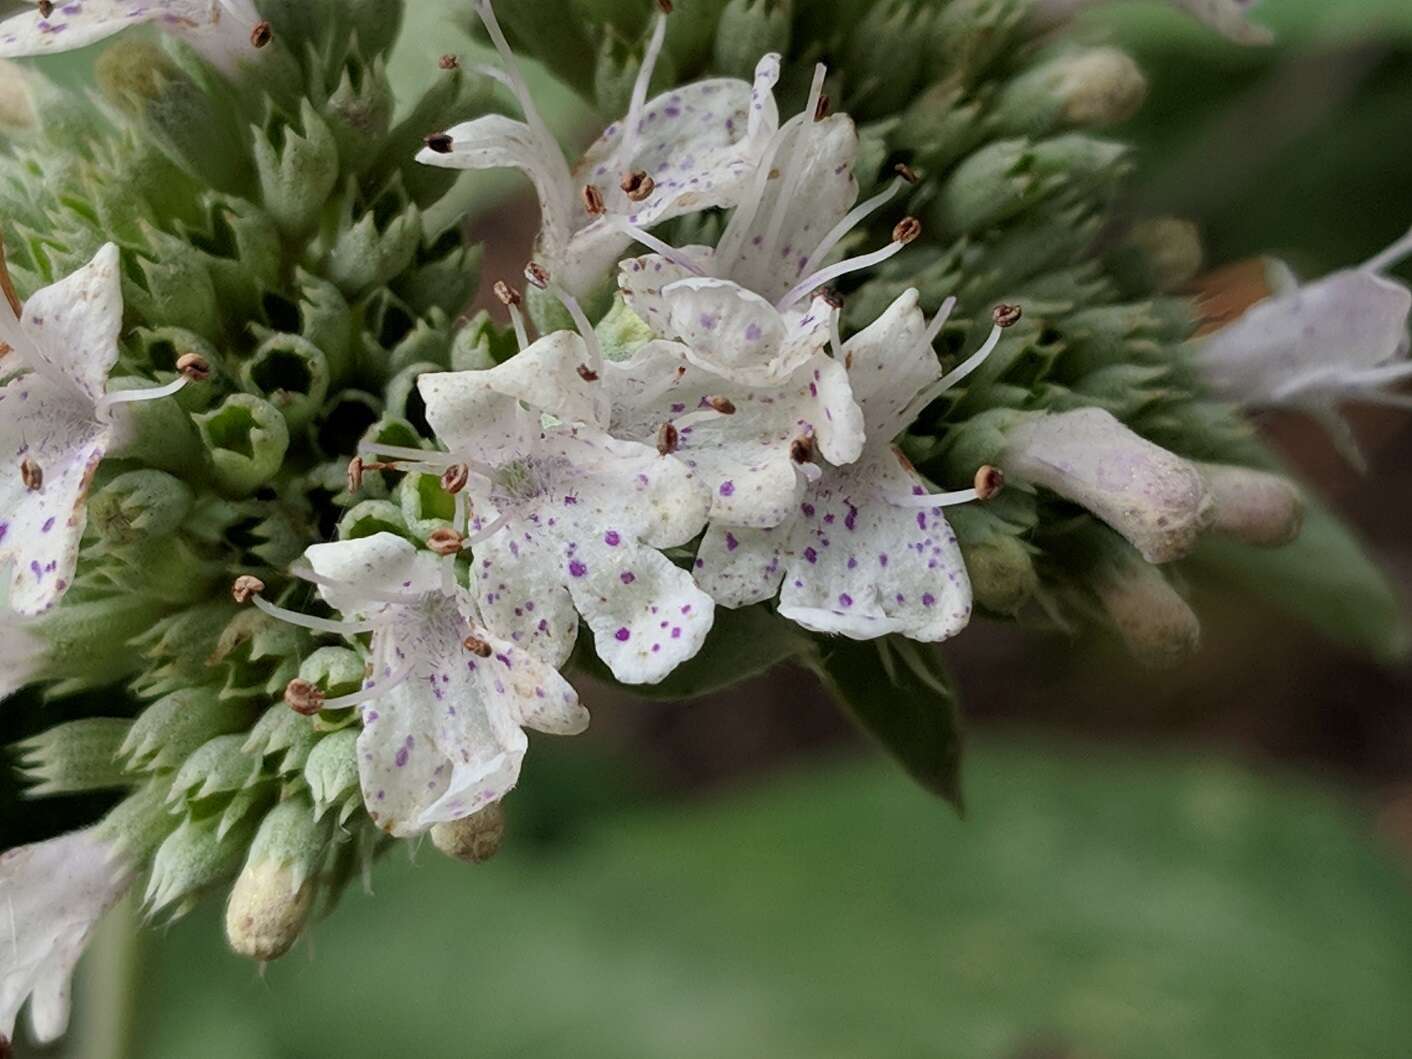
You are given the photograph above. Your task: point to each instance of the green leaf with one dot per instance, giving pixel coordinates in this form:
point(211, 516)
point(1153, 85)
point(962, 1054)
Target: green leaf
point(900, 694)
point(743, 643)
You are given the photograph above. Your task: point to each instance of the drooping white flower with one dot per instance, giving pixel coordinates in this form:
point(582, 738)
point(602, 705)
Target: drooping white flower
point(690, 149)
point(446, 703)
point(57, 421)
point(566, 519)
point(742, 441)
point(223, 31)
point(751, 309)
point(868, 551)
point(52, 895)
point(1231, 18)
point(1314, 346)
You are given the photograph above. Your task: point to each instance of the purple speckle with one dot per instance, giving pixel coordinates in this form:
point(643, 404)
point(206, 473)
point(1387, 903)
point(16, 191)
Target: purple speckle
point(627, 577)
point(811, 555)
point(622, 635)
point(577, 569)
point(845, 600)
point(808, 510)
point(612, 539)
point(753, 333)
point(727, 488)
point(928, 600)
point(48, 524)
point(731, 543)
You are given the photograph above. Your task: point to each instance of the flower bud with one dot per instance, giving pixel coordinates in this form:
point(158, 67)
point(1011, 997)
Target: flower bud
point(17, 113)
point(139, 505)
point(1154, 498)
point(969, 35)
point(167, 732)
point(412, 343)
point(1086, 89)
point(192, 859)
point(1255, 507)
point(217, 766)
point(246, 439)
point(291, 374)
point(373, 247)
point(1159, 628)
point(990, 186)
point(999, 564)
point(332, 774)
point(281, 733)
point(1162, 254)
point(271, 899)
point(892, 36)
point(297, 166)
point(167, 279)
point(940, 126)
point(473, 839)
point(89, 644)
point(359, 112)
point(478, 345)
point(444, 274)
point(73, 757)
point(241, 249)
point(140, 822)
point(1080, 165)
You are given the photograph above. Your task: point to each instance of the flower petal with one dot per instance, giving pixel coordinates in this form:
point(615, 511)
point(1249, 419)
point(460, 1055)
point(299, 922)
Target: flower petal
point(71, 25)
point(736, 566)
point(50, 425)
point(55, 893)
point(862, 567)
point(73, 325)
point(520, 588)
point(369, 568)
point(647, 614)
point(889, 363)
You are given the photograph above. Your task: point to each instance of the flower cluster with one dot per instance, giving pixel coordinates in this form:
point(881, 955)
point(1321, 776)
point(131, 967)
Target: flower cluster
point(806, 381)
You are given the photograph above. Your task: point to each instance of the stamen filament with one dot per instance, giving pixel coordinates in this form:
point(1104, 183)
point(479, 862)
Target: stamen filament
point(791, 177)
point(924, 500)
point(152, 393)
point(955, 375)
point(732, 242)
point(306, 621)
point(489, 531)
point(696, 418)
point(371, 691)
point(657, 246)
point(855, 217)
point(628, 146)
point(834, 271)
point(585, 329)
point(1391, 256)
point(943, 314)
point(517, 321)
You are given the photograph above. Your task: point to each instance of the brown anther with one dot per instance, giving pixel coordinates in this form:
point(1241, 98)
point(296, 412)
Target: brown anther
point(801, 449)
point(262, 34)
point(507, 294)
point(667, 439)
point(830, 297)
point(637, 185)
point(593, 200)
point(245, 586)
point(46, 8)
point(537, 274)
point(5, 349)
point(906, 172)
point(445, 541)
point(303, 697)
point(724, 405)
point(449, 62)
point(454, 478)
point(821, 110)
point(194, 366)
point(356, 467)
point(439, 142)
point(989, 481)
point(907, 230)
point(665, 6)
point(1007, 315)
point(477, 646)
point(31, 474)
point(587, 374)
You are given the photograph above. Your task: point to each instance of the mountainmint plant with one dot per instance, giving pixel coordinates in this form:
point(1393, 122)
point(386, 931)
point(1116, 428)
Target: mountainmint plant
point(829, 341)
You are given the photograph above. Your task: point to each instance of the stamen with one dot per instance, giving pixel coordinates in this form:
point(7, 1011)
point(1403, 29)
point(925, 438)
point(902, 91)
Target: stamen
point(402, 452)
point(906, 172)
point(511, 299)
point(939, 320)
point(715, 408)
point(439, 142)
point(628, 147)
point(1393, 255)
point(372, 690)
point(514, 77)
point(925, 500)
point(810, 472)
point(449, 62)
point(956, 374)
point(355, 474)
point(454, 479)
point(989, 482)
point(477, 646)
point(1006, 315)
point(855, 217)
point(732, 242)
point(835, 336)
point(31, 474)
point(154, 393)
point(637, 186)
point(801, 449)
point(445, 542)
point(303, 698)
point(46, 8)
point(790, 187)
point(262, 34)
point(307, 621)
point(580, 318)
point(489, 531)
point(901, 237)
point(668, 437)
point(656, 245)
point(593, 200)
point(244, 587)
point(194, 366)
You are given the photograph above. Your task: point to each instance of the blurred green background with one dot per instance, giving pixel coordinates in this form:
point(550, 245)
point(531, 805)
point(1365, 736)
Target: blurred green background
point(1226, 876)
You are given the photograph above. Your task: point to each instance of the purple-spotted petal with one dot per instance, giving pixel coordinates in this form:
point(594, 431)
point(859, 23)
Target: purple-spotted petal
point(359, 574)
point(736, 566)
point(889, 363)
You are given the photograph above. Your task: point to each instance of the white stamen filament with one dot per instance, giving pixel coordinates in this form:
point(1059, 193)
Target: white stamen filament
point(489, 531)
point(627, 148)
point(732, 242)
point(306, 573)
point(657, 246)
point(924, 500)
point(855, 217)
point(306, 621)
point(1391, 256)
point(371, 691)
point(517, 321)
point(515, 79)
point(585, 329)
point(426, 460)
point(1382, 397)
point(696, 418)
point(152, 393)
point(956, 374)
point(794, 166)
point(448, 575)
point(842, 268)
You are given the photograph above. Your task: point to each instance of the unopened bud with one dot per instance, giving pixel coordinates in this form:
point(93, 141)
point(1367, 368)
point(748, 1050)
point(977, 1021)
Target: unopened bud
point(473, 839)
point(1154, 498)
point(667, 439)
point(244, 587)
point(1256, 507)
point(1158, 626)
point(907, 230)
point(266, 912)
point(303, 697)
point(445, 541)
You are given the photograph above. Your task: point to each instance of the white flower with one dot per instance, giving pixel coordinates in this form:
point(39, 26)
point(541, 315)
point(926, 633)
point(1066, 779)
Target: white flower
point(740, 440)
point(57, 421)
point(751, 309)
point(52, 895)
point(567, 520)
point(690, 149)
point(868, 551)
point(1312, 347)
point(446, 702)
point(223, 31)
